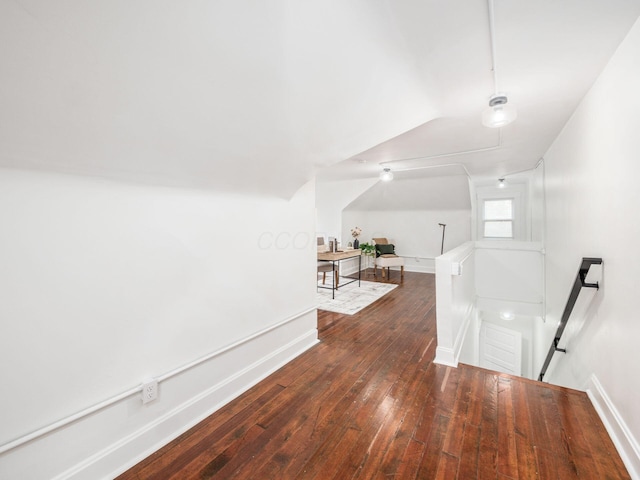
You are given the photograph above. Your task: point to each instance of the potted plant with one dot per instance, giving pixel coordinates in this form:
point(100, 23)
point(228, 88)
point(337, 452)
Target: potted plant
point(367, 249)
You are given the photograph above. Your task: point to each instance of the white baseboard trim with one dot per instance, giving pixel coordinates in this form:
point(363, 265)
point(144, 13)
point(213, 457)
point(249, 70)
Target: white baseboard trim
point(108, 442)
point(445, 356)
point(344, 272)
point(623, 439)
point(420, 269)
point(407, 268)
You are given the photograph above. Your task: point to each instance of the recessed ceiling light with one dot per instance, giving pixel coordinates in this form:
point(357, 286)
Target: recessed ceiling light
point(506, 315)
point(386, 175)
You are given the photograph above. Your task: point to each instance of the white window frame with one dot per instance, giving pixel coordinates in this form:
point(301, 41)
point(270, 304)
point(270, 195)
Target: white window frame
point(484, 219)
point(515, 192)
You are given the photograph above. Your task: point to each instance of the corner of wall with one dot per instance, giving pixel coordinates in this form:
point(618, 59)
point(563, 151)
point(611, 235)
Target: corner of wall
point(621, 435)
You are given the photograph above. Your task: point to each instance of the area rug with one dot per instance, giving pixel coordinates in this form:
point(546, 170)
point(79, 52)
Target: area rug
point(350, 298)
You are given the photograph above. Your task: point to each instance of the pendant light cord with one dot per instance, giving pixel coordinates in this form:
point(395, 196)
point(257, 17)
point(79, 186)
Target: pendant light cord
point(492, 40)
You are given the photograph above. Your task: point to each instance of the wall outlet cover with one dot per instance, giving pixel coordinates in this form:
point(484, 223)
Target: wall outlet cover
point(149, 390)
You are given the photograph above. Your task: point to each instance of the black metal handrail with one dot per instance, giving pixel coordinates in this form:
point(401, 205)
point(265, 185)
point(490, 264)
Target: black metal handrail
point(573, 297)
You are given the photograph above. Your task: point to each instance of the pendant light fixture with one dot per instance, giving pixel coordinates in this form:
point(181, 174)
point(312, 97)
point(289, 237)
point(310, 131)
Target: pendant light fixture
point(386, 175)
point(498, 113)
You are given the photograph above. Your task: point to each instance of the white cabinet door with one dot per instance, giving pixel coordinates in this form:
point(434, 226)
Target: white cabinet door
point(500, 349)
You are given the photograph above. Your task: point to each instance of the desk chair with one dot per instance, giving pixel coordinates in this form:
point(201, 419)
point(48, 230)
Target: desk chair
point(324, 267)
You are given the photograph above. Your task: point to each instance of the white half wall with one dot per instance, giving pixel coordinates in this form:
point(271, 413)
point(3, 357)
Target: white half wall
point(105, 284)
point(592, 204)
point(455, 301)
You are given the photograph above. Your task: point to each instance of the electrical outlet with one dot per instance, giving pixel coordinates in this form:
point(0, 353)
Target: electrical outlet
point(149, 390)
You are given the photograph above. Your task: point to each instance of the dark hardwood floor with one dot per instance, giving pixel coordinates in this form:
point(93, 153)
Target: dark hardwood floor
point(368, 402)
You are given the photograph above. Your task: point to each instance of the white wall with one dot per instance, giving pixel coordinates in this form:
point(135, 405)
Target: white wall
point(510, 273)
point(470, 351)
point(415, 233)
point(592, 203)
point(536, 203)
point(104, 284)
point(331, 198)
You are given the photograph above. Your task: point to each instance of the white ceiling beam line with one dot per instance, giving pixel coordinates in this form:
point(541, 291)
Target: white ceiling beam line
point(390, 163)
point(541, 160)
point(443, 165)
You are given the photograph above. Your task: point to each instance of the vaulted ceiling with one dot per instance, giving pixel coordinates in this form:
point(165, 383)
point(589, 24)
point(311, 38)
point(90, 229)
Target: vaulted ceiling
point(260, 96)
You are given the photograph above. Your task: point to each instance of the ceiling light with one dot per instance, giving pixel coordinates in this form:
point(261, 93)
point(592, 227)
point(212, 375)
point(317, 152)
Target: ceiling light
point(501, 183)
point(386, 175)
point(498, 113)
point(507, 315)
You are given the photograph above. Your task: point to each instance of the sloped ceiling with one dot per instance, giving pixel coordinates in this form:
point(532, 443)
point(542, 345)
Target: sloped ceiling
point(259, 97)
point(548, 54)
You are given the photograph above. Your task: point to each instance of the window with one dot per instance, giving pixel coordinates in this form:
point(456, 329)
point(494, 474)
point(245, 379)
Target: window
point(498, 218)
point(501, 213)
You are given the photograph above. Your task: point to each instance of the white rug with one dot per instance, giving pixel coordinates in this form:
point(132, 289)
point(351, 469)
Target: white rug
point(350, 298)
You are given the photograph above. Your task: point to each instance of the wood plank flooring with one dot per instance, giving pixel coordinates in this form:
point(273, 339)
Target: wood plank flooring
point(369, 403)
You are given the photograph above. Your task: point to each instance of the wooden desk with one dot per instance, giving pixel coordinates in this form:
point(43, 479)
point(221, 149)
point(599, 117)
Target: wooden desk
point(334, 257)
